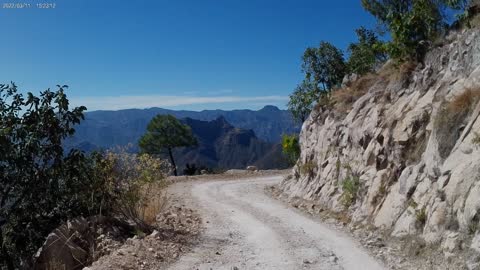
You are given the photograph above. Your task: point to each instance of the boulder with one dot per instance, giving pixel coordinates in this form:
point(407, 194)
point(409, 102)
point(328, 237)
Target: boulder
point(64, 248)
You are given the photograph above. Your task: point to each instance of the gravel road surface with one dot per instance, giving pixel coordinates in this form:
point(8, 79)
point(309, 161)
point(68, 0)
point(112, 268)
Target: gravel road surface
point(247, 229)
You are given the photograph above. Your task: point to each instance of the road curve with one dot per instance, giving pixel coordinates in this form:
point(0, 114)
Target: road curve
point(246, 229)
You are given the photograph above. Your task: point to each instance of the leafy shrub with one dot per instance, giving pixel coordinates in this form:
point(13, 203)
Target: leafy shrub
point(324, 66)
point(41, 184)
point(412, 24)
point(350, 187)
point(302, 100)
point(367, 54)
point(421, 216)
point(291, 148)
point(412, 203)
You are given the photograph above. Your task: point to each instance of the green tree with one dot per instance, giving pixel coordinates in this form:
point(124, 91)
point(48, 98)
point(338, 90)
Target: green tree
point(367, 54)
point(324, 66)
point(303, 99)
point(165, 132)
point(41, 185)
point(413, 24)
point(291, 148)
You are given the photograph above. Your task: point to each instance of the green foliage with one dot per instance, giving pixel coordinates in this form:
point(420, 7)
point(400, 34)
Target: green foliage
point(350, 187)
point(367, 54)
point(291, 148)
point(476, 139)
point(165, 132)
point(41, 185)
point(421, 216)
point(302, 100)
point(308, 168)
point(324, 66)
point(324, 69)
point(412, 204)
point(413, 24)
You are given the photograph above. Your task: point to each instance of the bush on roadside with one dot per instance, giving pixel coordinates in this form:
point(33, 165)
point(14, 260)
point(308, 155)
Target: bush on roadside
point(136, 183)
point(291, 148)
point(43, 185)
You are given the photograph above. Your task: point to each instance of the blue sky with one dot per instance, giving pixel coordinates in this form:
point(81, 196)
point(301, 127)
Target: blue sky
point(196, 54)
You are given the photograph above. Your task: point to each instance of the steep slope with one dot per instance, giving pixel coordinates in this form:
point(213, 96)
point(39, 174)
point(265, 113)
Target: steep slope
point(404, 158)
point(109, 128)
point(222, 145)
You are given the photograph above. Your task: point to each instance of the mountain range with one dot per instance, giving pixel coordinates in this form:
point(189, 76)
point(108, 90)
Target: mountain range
point(228, 139)
point(221, 145)
point(111, 128)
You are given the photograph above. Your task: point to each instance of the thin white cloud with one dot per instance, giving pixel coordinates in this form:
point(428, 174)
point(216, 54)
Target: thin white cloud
point(220, 92)
point(141, 102)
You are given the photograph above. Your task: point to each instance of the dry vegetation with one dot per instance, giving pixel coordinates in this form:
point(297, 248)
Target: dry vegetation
point(142, 181)
point(464, 101)
point(344, 98)
point(452, 116)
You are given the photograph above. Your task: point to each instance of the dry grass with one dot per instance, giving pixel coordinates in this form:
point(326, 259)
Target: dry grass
point(151, 210)
point(452, 116)
point(55, 264)
point(153, 202)
point(464, 101)
point(398, 72)
point(308, 168)
point(344, 98)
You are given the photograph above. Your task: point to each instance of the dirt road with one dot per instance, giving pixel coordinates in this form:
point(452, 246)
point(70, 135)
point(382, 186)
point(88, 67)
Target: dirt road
point(246, 229)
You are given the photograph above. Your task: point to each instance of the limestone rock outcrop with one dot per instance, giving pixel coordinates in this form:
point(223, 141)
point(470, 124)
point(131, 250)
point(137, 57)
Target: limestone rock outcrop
point(405, 157)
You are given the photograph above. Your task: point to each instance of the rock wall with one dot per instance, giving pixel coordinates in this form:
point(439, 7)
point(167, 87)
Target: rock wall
point(400, 158)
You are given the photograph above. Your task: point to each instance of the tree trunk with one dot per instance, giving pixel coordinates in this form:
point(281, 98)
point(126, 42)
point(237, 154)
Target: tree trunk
point(173, 161)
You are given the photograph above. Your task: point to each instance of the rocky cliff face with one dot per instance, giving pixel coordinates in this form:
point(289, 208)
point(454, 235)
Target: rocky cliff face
point(221, 145)
point(404, 157)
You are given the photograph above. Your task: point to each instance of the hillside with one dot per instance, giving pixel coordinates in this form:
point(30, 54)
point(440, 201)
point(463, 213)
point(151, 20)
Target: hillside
point(110, 128)
point(222, 145)
point(399, 152)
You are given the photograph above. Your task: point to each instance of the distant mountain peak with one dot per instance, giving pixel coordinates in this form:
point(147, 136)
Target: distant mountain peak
point(270, 108)
point(221, 119)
